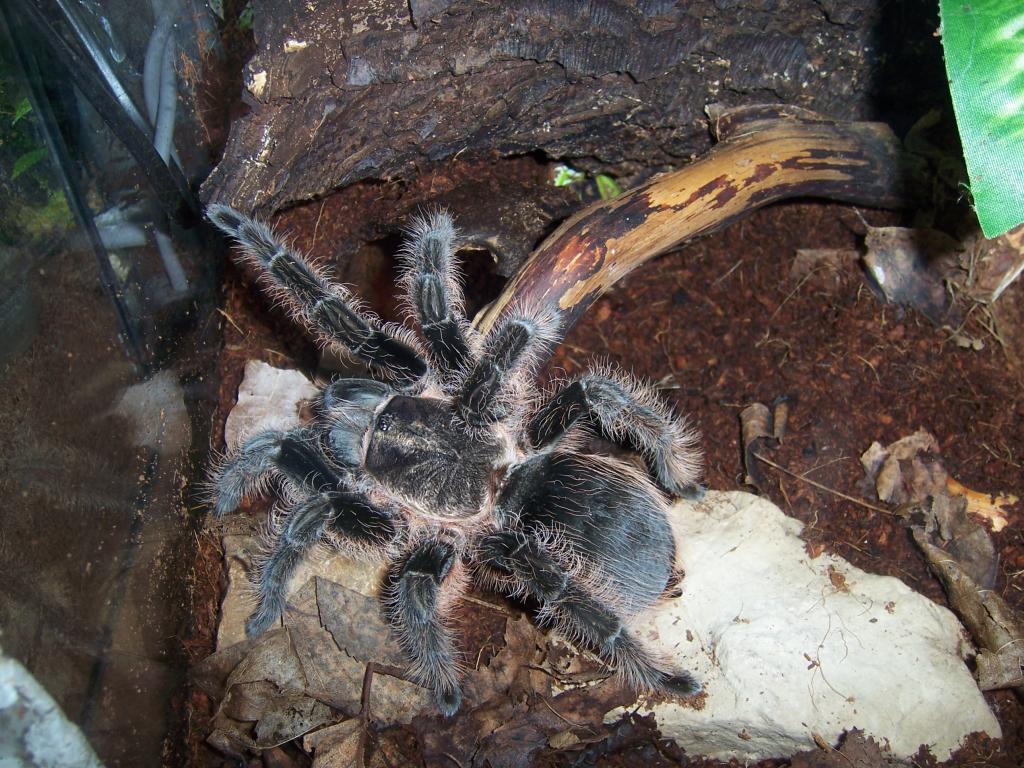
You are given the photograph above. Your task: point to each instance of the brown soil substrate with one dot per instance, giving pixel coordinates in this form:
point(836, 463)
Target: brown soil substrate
point(721, 324)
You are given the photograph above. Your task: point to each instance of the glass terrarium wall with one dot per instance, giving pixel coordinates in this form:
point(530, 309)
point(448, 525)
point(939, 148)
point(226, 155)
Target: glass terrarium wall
point(106, 335)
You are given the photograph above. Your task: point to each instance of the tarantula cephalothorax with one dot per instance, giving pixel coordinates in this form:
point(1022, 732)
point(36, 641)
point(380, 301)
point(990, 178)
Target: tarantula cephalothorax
point(447, 468)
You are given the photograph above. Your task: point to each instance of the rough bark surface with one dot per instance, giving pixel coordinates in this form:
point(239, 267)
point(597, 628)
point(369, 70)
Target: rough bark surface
point(379, 89)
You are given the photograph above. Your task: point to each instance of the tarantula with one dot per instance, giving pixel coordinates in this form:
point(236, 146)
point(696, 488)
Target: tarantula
point(448, 467)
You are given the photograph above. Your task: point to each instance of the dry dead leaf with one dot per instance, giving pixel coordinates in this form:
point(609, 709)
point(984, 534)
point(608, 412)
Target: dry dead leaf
point(873, 458)
point(265, 703)
point(276, 757)
point(755, 421)
point(564, 740)
point(226, 745)
point(336, 677)
point(336, 746)
point(948, 526)
point(355, 622)
point(855, 751)
point(272, 659)
point(291, 680)
point(572, 668)
point(524, 645)
point(211, 674)
point(513, 744)
point(288, 717)
point(910, 267)
point(509, 711)
point(248, 701)
point(332, 675)
point(780, 416)
point(993, 264)
point(763, 428)
point(460, 738)
point(908, 470)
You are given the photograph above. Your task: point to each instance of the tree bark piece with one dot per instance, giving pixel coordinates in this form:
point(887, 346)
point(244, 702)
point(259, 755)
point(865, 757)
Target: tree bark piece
point(766, 154)
point(346, 90)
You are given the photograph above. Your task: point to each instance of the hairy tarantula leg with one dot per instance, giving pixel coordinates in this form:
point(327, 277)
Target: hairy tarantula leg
point(359, 521)
point(517, 555)
point(301, 460)
point(416, 596)
point(245, 471)
point(434, 292)
point(628, 412)
point(355, 518)
point(349, 515)
point(515, 345)
point(354, 393)
point(303, 528)
point(606, 632)
point(293, 455)
point(325, 306)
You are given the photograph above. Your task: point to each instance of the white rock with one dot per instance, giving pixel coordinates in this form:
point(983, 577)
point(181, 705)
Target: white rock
point(788, 646)
point(268, 398)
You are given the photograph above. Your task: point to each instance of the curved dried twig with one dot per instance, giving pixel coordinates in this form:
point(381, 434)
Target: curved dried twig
point(765, 154)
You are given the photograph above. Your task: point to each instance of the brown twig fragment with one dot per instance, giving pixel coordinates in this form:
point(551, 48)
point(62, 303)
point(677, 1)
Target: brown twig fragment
point(819, 486)
point(364, 714)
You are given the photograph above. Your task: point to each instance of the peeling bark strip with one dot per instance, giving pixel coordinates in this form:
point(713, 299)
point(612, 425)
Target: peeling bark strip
point(765, 155)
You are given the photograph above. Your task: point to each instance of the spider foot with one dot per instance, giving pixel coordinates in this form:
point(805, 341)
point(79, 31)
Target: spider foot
point(680, 684)
point(258, 623)
point(640, 671)
point(692, 492)
point(448, 700)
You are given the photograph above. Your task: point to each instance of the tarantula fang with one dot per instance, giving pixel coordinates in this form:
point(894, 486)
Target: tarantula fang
point(447, 466)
